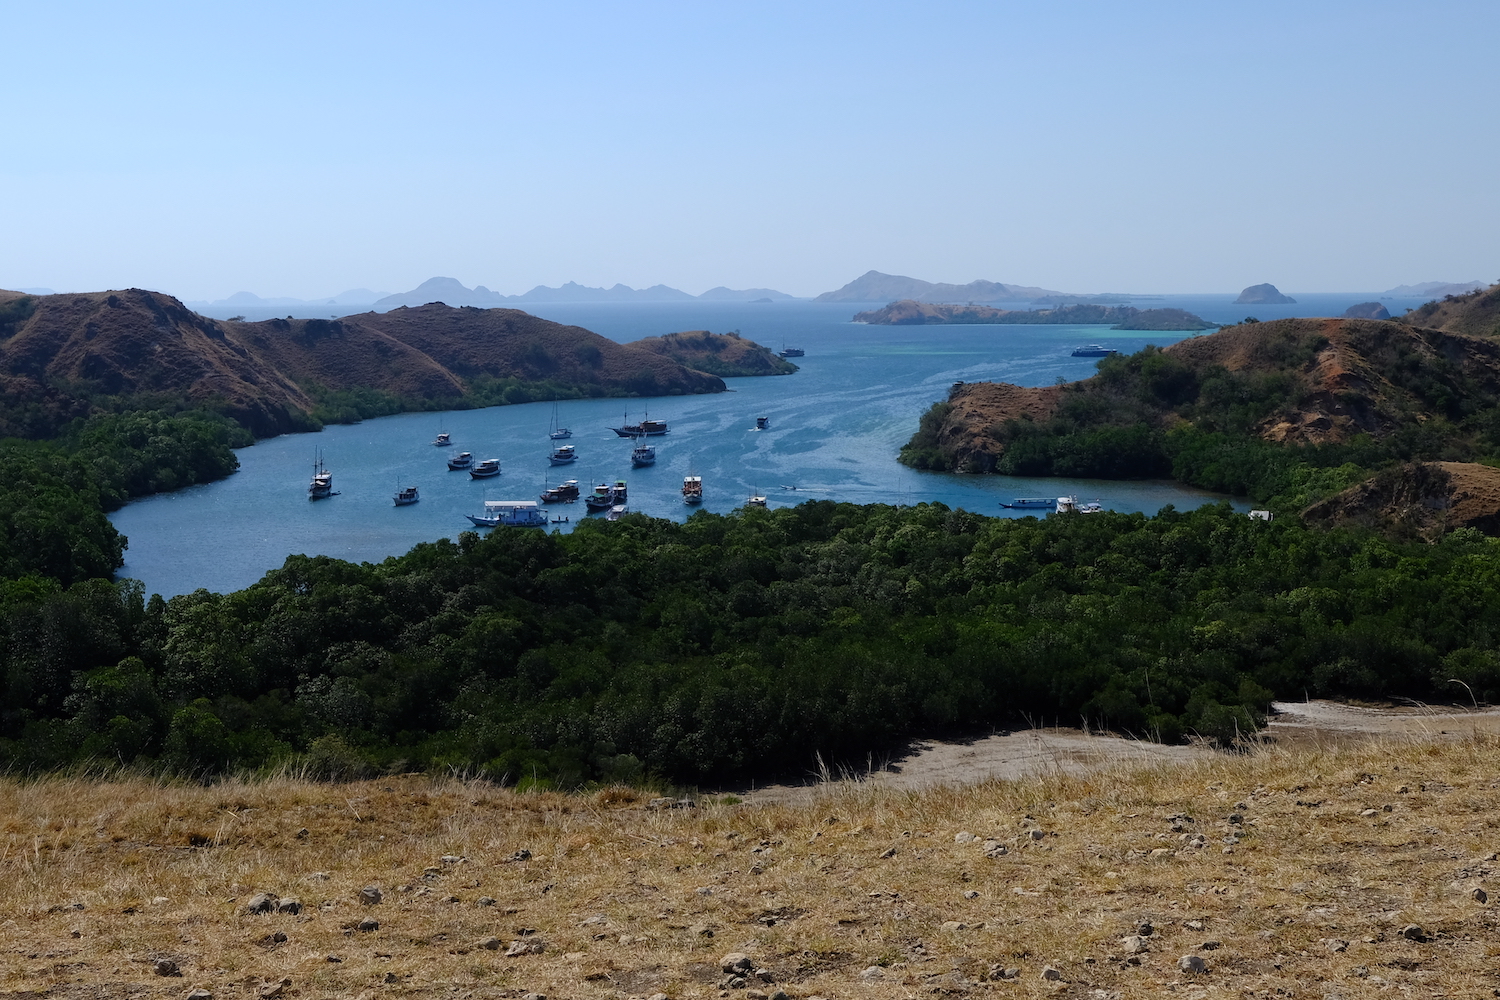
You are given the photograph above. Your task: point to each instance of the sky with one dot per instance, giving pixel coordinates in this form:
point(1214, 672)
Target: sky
point(302, 149)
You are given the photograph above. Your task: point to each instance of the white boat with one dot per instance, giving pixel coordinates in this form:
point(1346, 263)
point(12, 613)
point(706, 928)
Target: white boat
point(755, 501)
point(563, 455)
point(321, 487)
point(762, 423)
point(1070, 505)
point(510, 514)
point(442, 440)
point(406, 496)
point(642, 454)
point(462, 460)
point(616, 512)
point(485, 469)
point(1023, 502)
point(555, 432)
point(692, 489)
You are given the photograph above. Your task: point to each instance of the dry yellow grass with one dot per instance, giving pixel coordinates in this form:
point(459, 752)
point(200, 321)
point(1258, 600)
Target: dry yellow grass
point(810, 891)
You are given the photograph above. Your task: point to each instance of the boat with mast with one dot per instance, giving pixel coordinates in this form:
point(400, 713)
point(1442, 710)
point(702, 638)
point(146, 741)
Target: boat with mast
point(642, 454)
point(442, 440)
point(406, 496)
point(692, 490)
point(321, 487)
point(563, 455)
point(462, 460)
point(555, 432)
point(564, 493)
point(646, 428)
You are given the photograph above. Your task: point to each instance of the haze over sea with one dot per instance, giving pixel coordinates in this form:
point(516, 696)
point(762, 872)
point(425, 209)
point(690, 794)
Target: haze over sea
point(836, 426)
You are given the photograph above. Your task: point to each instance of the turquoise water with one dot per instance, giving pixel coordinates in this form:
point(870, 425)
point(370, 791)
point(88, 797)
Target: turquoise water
point(836, 426)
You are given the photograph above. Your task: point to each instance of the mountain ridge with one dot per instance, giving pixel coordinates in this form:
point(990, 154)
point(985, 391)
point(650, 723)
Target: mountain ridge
point(874, 286)
point(451, 291)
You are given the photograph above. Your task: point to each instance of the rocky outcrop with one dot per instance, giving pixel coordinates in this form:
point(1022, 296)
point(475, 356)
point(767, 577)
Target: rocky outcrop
point(1367, 310)
point(1423, 500)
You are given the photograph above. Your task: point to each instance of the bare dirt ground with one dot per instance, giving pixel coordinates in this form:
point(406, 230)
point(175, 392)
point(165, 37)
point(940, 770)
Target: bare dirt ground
point(1032, 753)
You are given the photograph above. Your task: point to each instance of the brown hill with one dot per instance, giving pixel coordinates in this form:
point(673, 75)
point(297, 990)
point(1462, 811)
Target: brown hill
point(60, 353)
point(1422, 500)
point(727, 355)
point(1331, 379)
point(1476, 314)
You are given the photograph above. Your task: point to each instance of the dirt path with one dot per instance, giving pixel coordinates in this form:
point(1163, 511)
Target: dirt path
point(1041, 751)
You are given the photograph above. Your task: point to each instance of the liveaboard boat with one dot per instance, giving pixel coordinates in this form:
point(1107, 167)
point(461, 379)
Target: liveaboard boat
point(790, 352)
point(566, 493)
point(602, 498)
point(616, 512)
point(443, 440)
point(509, 514)
point(563, 455)
point(642, 454)
point(1030, 502)
point(1094, 351)
point(462, 460)
point(646, 428)
point(406, 496)
point(755, 502)
point(692, 489)
point(486, 469)
point(321, 487)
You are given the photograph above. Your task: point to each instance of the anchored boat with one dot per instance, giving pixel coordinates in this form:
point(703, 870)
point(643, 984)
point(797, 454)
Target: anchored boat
point(692, 489)
point(509, 514)
point(462, 460)
point(486, 469)
point(406, 496)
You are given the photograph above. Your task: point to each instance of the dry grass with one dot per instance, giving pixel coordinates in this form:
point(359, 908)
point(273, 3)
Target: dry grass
point(807, 890)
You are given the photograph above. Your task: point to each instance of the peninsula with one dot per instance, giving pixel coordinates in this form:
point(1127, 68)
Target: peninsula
point(727, 355)
point(909, 312)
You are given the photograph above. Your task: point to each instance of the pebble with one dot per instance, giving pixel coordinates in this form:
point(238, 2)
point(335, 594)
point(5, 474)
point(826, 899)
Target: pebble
point(532, 947)
point(485, 901)
point(302, 833)
point(491, 944)
point(873, 974)
point(1192, 964)
point(889, 852)
point(165, 967)
point(1037, 834)
point(1145, 929)
point(1480, 896)
point(971, 894)
point(450, 859)
point(1413, 932)
point(964, 837)
point(1369, 812)
point(736, 961)
point(1052, 973)
point(522, 855)
point(1211, 946)
point(370, 895)
point(1134, 944)
point(533, 996)
point(290, 905)
point(200, 994)
point(1336, 945)
point(955, 925)
point(369, 924)
point(1193, 925)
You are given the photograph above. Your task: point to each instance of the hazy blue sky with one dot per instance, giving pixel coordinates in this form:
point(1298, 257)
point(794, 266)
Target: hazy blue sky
point(304, 148)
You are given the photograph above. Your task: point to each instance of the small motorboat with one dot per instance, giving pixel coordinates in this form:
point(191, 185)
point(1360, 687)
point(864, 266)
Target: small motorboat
point(755, 502)
point(442, 440)
point(486, 469)
point(509, 514)
point(565, 493)
point(462, 460)
point(642, 454)
point(406, 496)
point(563, 455)
point(692, 489)
point(762, 423)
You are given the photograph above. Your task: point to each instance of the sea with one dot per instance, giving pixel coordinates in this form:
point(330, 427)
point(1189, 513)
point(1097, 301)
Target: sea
point(835, 427)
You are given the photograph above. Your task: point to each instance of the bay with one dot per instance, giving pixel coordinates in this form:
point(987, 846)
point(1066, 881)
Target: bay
point(835, 428)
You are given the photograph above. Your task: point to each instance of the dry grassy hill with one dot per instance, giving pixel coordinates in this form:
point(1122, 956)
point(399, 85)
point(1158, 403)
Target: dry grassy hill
point(1475, 313)
point(1348, 872)
point(727, 355)
point(59, 352)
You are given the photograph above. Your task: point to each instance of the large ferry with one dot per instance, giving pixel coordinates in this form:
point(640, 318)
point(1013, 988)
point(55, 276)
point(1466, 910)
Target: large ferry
point(509, 514)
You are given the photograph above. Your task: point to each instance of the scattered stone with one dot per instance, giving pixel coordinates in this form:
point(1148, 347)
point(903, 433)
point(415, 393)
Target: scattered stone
point(994, 851)
point(302, 833)
point(1336, 945)
point(701, 930)
point(658, 996)
point(318, 877)
point(778, 995)
point(273, 990)
point(889, 852)
point(485, 901)
point(1413, 932)
point(522, 855)
point(1134, 944)
point(736, 962)
point(1000, 972)
point(290, 905)
point(278, 938)
point(1192, 964)
point(450, 859)
point(1480, 896)
point(964, 837)
point(972, 894)
point(1367, 813)
point(873, 974)
point(390, 977)
point(370, 895)
point(369, 924)
point(1052, 973)
point(1144, 929)
point(1037, 834)
point(518, 948)
point(955, 925)
point(533, 996)
point(1193, 925)
point(491, 944)
point(597, 920)
point(261, 902)
point(165, 967)
point(335, 958)
point(200, 994)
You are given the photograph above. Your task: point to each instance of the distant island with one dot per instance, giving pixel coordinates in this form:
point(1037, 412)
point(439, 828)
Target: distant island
point(450, 291)
point(911, 313)
point(727, 355)
point(1436, 288)
point(1367, 310)
point(1264, 295)
point(873, 286)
